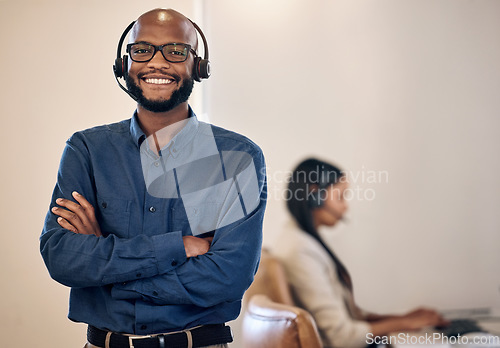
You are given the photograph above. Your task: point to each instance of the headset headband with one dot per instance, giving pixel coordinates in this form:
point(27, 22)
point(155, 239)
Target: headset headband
point(198, 29)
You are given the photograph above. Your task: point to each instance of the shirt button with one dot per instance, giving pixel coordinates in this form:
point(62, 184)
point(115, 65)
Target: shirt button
point(174, 263)
point(157, 164)
point(104, 205)
point(174, 150)
point(152, 209)
point(144, 327)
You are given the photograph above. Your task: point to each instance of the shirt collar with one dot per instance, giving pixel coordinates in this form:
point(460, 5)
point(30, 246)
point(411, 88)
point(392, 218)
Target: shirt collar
point(184, 137)
point(136, 131)
point(178, 142)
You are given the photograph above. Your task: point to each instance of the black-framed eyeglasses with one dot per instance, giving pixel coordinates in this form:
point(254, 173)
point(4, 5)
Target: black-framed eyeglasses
point(142, 52)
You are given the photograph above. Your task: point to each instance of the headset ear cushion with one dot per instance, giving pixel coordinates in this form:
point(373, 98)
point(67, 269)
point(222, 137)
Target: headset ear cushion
point(125, 66)
point(204, 68)
point(118, 67)
point(196, 69)
point(201, 69)
point(314, 200)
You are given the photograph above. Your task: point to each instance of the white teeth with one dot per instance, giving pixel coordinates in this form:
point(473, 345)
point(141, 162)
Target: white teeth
point(158, 81)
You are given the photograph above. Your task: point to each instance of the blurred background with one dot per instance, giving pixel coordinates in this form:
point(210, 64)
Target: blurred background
point(404, 95)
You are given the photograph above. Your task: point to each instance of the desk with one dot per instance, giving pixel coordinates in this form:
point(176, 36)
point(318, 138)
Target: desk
point(435, 339)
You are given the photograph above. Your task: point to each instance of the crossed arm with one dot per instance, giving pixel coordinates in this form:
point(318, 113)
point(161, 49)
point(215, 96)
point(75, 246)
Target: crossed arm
point(226, 265)
point(79, 217)
point(142, 265)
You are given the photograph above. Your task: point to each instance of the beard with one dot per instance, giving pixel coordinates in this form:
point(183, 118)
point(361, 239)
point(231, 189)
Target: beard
point(179, 96)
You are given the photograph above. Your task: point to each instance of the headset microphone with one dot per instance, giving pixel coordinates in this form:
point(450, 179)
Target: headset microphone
point(125, 89)
point(201, 66)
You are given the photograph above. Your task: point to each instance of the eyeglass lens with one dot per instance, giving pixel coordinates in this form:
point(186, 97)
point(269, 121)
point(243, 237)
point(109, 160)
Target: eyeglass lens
point(174, 52)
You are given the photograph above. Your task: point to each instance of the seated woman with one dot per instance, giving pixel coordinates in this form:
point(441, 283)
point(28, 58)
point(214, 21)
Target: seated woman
point(320, 282)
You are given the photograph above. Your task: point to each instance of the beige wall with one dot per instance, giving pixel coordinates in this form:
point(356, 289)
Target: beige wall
point(405, 89)
point(408, 88)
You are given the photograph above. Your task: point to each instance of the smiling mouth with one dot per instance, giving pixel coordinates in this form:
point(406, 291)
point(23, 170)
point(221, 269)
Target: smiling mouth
point(156, 81)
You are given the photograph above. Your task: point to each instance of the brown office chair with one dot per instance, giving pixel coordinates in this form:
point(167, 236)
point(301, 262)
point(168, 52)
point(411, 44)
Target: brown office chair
point(270, 280)
point(267, 324)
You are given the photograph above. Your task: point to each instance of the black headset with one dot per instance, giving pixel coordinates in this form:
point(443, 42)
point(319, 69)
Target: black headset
point(201, 68)
point(317, 198)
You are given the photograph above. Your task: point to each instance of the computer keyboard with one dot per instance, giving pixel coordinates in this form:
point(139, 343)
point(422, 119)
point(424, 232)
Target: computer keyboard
point(460, 327)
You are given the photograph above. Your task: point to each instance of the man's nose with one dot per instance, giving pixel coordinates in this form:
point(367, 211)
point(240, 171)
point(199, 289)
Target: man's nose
point(158, 61)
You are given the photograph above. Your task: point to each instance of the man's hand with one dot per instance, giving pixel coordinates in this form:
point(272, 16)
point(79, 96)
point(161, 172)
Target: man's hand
point(78, 218)
point(195, 246)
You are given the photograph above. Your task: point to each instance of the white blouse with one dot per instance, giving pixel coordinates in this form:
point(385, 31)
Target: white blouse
point(316, 287)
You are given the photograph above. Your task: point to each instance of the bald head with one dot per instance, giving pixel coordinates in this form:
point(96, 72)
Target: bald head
point(164, 21)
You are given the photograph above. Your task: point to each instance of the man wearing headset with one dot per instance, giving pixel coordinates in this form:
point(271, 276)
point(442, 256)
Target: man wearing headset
point(156, 221)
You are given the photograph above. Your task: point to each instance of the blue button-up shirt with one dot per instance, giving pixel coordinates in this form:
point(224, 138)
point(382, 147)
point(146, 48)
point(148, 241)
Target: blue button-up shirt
point(136, 278)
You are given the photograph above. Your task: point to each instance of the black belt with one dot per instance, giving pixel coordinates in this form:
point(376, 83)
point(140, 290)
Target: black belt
point(202, 336)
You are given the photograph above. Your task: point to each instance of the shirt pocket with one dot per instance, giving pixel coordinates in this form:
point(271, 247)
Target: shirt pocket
point(114, 216)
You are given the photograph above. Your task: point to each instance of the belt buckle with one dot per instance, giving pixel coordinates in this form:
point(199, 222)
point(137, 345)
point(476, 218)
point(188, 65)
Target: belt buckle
point(132, 338)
